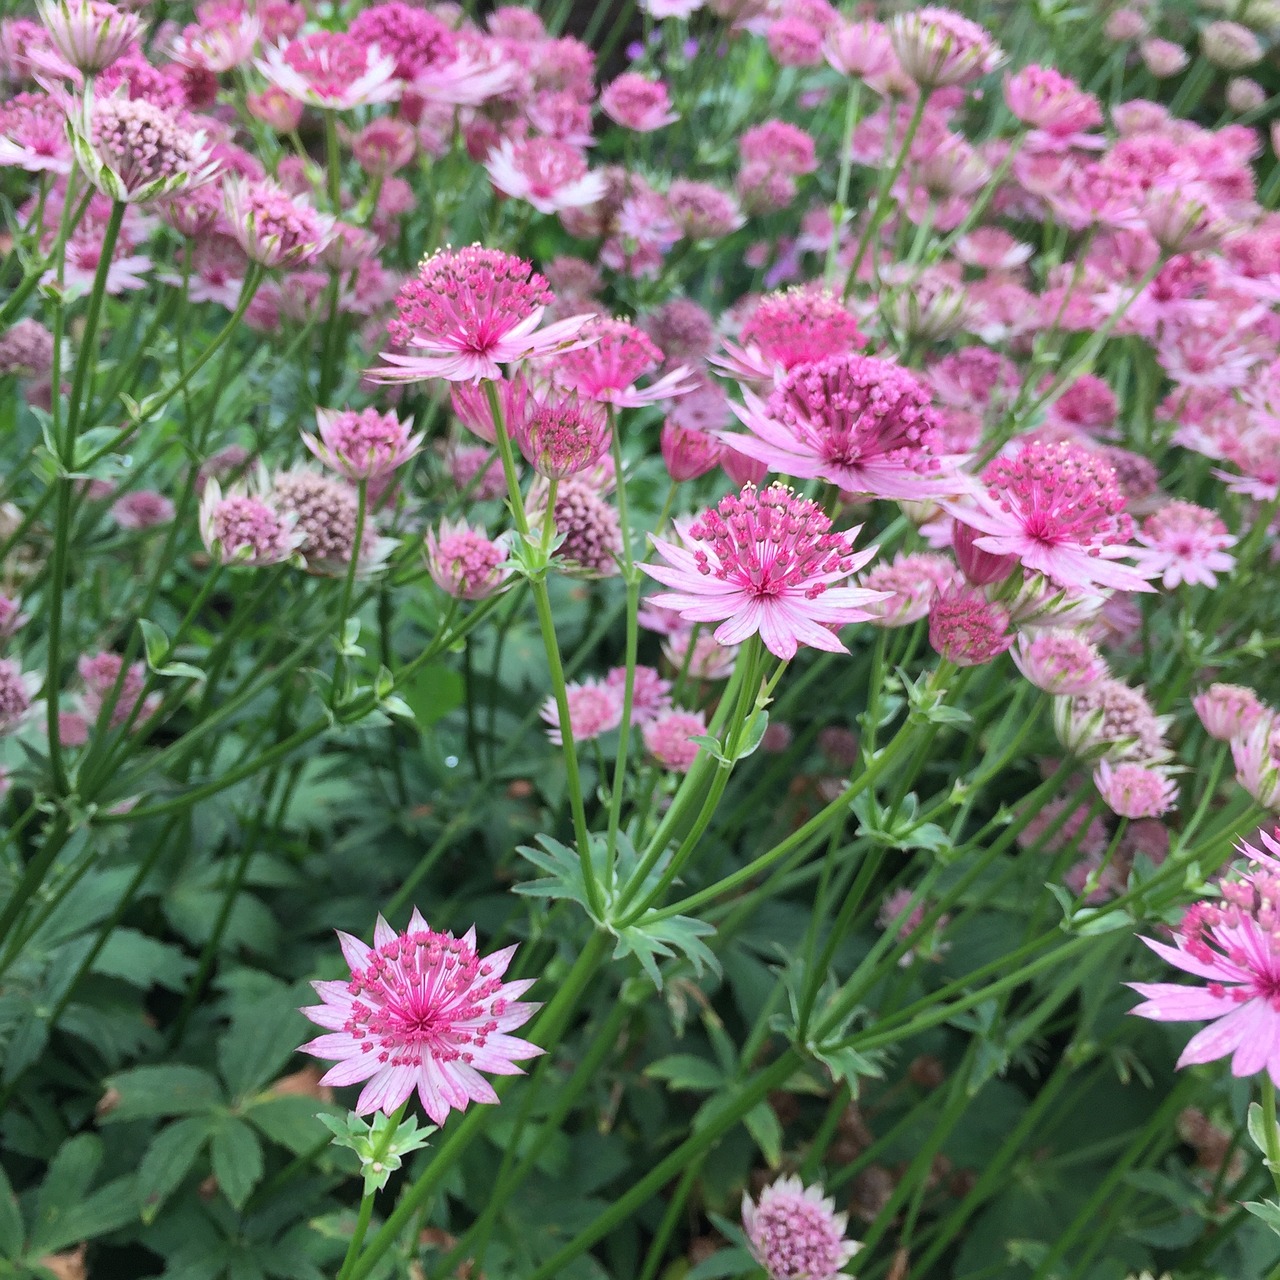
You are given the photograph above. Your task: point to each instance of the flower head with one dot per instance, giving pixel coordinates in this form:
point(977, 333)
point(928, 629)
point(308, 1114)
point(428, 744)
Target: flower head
point(1257, 760)
point(765, 562)
point(423, 1011)
point(589, 529)
point(688, 452)
point(1059, 661)
point(560, 434)
point(469, 311)
point(1185, 543)
point(549, 174)
point(1134, 790)
point(1232, 943)
point(142, 509)
point(274, 227)
point(106, 677)
point(464, 562)
point(668, 738)
point(794, 1232)
point(246, 529)
point(607, 367)
point(1045, 99)
point(135, 151)
point(364, 445)
point(1111, 719)
point(33, 134)
point(939, 47)
point(332, 70)
point(650, 693)
point(16, 692)
point(1059, 509)
point(864, 424)
point(909, 586)
point(638, 103)
point(89, 34)
point(595, 707)
point(795, 327)
point(1228, 710)
point(968, 629)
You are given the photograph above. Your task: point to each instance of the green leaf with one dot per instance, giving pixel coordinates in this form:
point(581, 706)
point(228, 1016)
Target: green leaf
point(1267, 1210)
point(66, 1184)
point(1257, 1132)
point(763, 1125)
point(158, 651)
point(142, 961)
point(237, 1160)
point(262, 1039)
point(292, 1120)
point(11, 1229)
point(162, 1091)
point(169, 1159)
point(433, 693)
point(684, 1071)
point(108, 1209)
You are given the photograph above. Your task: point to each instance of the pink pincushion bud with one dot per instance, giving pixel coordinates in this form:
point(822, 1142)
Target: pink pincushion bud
point(688, 452)
point(794, 1232)
point(967, 629)
point(667, 739)
point(1047, 100)
point(560, 434)
point(464, 562)
point(911, 584)
point(102, 673)
point(142, 509)
point(1135, 790)
point(1123, 25)
point(1228, 711)
point(1163, 58)
point(364, 445)
point(1059, 661)
point(1244, 95)
point(793, 42)
point(981, 568)
point(275, 108)
point(638, 103)
point(243, 529)
point(384, 145)
point(1230, 46)
point(782, 147)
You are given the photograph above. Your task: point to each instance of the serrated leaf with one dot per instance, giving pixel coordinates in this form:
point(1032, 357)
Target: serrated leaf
point(290, 1120)
point(65, 1185)
point(169, 1159)
point(146, 1092)
point(237, 1160)
point(107, 1209)
point(684, 1071)
point(262, 1039)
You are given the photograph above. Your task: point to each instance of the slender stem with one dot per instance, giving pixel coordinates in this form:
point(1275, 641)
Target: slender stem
point(1270, 1133)
point(366, 1201)
point(840, 210)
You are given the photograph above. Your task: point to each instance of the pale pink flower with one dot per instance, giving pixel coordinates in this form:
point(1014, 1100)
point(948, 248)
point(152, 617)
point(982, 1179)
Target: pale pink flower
point(1232, 944)
point(856, 421)
point(939, 47)
point(765, 563)
point(650, 693)
point(1054, 104)
point(594, 708)
point(246, 529)
point(89, 34)
point(1133, 790)
point(1185, 543)
point(1111, 719)
point(784, 148)
point(469, 311)
point(464, 562)
point(909, 585)
point(142, 509)
point(703, 211)
point(332, 71)
point(703, 656)
point(1163, 58)
point(221, 44)
point(17, 689)
point(102, 673)
point(12, 619)
point(547, 174)
point(1228, 711)
point(638, 103)
point(668, 738)
point(1059, 661)
point(422, 1011)
point(612, 357)
point(362, 445)
point(273, 227)
point(1257, 760)
point(794, 1232)
point(966, 628)
point(1058, 508)
point(327, 511)
point(1230, 46)
point(33, 135)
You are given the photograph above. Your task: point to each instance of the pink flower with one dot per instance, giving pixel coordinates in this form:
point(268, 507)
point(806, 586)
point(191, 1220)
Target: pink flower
point(33, 135)
point(909, 586)
point(1047, 100)
point(858, 422)
point(547, 174)
point(242, 529)
point(464, 562)
point(558, 433)
point(938, 47)
point(594, 708)
point(638, 103)
point(1059, 661)
point(650, 693)
point(1133, 790)
point(469, 311)
point(332, 71)
point(612, 357)
point(1111, 719)
point(967, 629)
point(705, 658)
point(688, 452)
point(16, 692)
point(765, 563)
point(422, 1011)
point(667, 738)
point(102, 673)
point(364, 445)
point(1228, 711)
point(795, 327)
point(415, 39)
point(794, 1232)
point(142, 509)
point(1232, 944)
point(221, 44)
point(1257, 759)
point(783, 148)
point(89, 34)
point(12, 619)
point(272, 226)
point(1185, 543)
point(1058, 508)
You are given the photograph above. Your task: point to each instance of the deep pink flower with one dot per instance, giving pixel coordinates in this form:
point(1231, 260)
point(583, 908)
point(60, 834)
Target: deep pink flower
point(1185, 543)
point(422, 1011)
point(595, 707)
point(688, 452)
point(794, 327)
point(464, 562)
point(783, 148)
point(559, 433)
point(765, 563)
point(638, 103)
point(967, 629)
point(415, 39)
point(142, 509)
point(548, 174)
point(1058, 508)
point(469, 311)
point(794, 1232)
point(858, 422)
point(33, 135)
point(1232, 943)
point(612, 357)
point(332, 70)
point(363, 445)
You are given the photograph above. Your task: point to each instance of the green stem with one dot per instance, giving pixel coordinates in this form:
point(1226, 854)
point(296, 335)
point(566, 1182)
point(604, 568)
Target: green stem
point(1270, 1133)
point(366, 1201)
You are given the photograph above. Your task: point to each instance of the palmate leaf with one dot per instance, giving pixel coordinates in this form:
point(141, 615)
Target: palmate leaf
point(649, 940)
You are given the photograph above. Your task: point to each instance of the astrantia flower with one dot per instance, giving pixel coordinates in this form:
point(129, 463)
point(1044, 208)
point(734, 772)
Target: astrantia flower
point(1257, 759)
point(1185, 543)
point(594, 708)
point(1058, 508)
point(650, 693)
point(422, 1011)
point(135, 151)
point(16, 692)
point(464, 563)
point(967, 629)
point(327, 514)
point(106, 677)
point(1228, 710)
point(864, 424)
point(364, 445)
point(638, 103)
point(699, 653)
point(1133, 790)
point(33, 134)
point(332, 71)
point(548, 174)
point(89, 34)
point(667, 738)
point(274, 227)
point(794, 1232)
point(939, 47)
point(909, 584)
point(1045, 99)
point(469, 311)
point(1059, 661)
point(1232, 943)
point(688, 452)
point(1113, 720)
point(142, 509)
point(590, 532)
point(245, 529)
point(765, 562)
point(559, 433)
point(606, 367)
